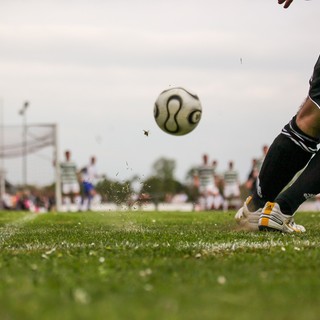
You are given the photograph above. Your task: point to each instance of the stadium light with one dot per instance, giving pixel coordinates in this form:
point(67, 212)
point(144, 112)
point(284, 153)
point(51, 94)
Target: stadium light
point(23, 113)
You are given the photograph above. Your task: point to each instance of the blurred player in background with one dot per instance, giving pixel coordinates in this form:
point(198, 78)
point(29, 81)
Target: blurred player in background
point(210, 197)
point(88, 177)
point(69, 180)
point(250, 184)
point(295, 148)
point(260, 160)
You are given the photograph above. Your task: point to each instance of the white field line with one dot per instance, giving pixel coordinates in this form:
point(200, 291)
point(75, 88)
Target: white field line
point(205, 248)
point(213, 248)
point(10, 229)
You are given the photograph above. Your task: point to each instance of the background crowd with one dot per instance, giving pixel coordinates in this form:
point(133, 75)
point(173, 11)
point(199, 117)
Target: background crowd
point(208, 189)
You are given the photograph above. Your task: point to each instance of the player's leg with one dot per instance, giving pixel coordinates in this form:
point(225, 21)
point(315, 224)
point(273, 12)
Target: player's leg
point(75, 198)
point(210, 205)
point(293, 148)
point(226, 195)
point(306, 186)
point(236, 195)
point(91, 194)
point(66, 196)
point(202, 201)
point(85, 196)
point(289, 153)
point(308, 183)
point(218, 201)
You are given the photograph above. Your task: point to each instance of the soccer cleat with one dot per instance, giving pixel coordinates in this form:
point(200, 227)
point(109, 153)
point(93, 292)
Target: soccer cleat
point(246, 219)
point(272, 219)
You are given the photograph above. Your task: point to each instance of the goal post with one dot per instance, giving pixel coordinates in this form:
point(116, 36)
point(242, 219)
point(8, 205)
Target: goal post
point(58, 192)
point(29, 157)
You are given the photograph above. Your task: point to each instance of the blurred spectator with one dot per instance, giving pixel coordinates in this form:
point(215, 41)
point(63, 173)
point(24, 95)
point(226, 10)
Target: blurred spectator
point(260, 160)
point(8, 201)
point(256, 165)
point(252, 176)
point(180, 197)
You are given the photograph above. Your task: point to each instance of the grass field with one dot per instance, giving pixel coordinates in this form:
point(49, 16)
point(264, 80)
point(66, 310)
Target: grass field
point(155, 265)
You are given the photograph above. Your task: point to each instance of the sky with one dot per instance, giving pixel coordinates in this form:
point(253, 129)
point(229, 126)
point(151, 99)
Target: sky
point(96, 67)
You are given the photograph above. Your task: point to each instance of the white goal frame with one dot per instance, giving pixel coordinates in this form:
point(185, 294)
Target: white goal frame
point(21, 149)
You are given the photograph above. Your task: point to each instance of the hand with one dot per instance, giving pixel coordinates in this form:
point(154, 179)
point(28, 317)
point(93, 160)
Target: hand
point(286, 3)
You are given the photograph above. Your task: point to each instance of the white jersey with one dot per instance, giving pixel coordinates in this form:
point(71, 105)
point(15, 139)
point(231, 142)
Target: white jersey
point(90, 174)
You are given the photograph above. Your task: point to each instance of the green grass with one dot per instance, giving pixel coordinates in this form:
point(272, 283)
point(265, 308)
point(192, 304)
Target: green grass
point(155, 265)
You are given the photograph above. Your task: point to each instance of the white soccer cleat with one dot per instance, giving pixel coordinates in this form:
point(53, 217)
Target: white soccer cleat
point(246, 219)
point(272, 219)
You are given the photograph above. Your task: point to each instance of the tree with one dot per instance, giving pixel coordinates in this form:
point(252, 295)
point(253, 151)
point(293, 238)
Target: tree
point(164, 169)
point(162, 181)
point(115, 191)
point(191, 190)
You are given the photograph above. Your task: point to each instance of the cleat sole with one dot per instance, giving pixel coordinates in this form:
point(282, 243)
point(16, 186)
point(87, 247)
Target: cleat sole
point(269, 229)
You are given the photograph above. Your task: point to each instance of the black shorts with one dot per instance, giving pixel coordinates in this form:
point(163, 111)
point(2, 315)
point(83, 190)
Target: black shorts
point(314, 91)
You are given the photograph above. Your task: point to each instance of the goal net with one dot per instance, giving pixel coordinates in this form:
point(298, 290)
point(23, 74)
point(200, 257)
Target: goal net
point(29, 161)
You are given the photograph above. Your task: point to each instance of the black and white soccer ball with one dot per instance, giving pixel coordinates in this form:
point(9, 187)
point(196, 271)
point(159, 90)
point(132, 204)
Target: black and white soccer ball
point(177, 111)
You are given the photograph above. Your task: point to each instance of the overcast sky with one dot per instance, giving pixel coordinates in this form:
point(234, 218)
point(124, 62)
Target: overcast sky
point(96, 67)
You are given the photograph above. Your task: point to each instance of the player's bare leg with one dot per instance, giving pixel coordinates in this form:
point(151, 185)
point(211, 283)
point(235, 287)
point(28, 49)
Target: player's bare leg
point(308, 119)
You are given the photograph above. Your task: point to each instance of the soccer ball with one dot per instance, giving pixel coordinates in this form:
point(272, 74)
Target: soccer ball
point(177, 111)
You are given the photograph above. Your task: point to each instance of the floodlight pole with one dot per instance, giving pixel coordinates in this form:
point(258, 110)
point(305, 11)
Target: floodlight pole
point(23, 113)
